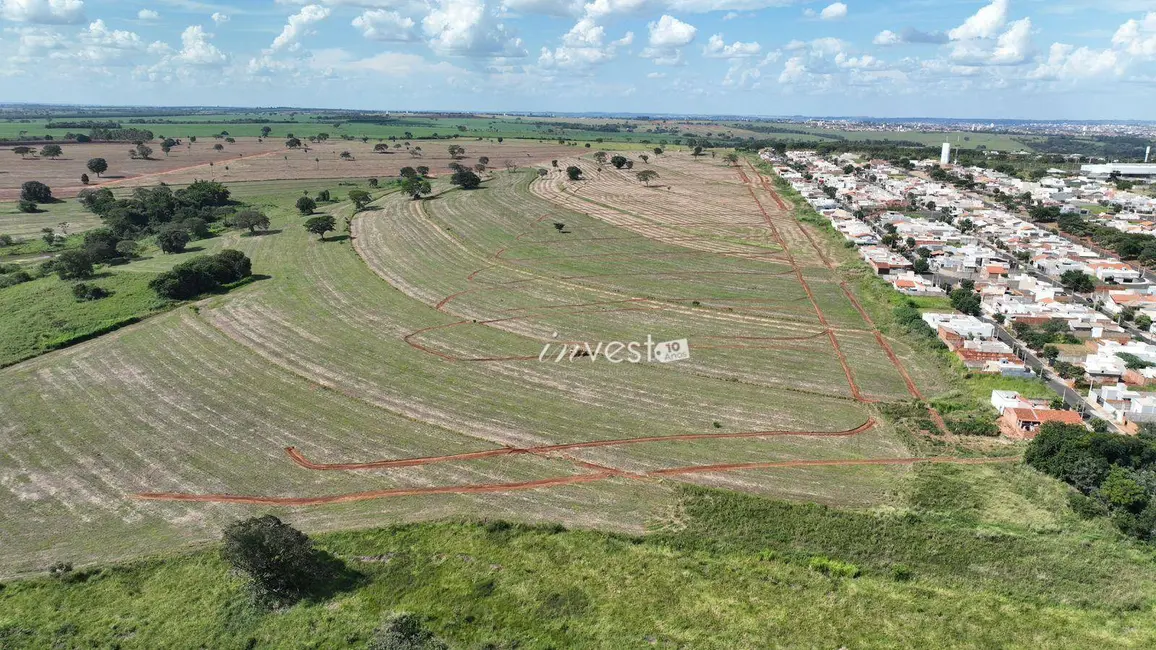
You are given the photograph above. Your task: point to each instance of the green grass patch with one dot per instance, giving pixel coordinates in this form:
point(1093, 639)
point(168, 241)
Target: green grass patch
point(43, 315)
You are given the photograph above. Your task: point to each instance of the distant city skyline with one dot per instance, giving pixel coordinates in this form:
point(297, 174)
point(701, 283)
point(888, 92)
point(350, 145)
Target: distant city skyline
point(1002, 59)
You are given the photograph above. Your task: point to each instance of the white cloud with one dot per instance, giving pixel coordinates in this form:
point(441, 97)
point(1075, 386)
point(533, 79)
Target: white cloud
point(1066, 62)
point(794, 71)
point(197, 50)
point(147, 14)
point(887, 37)
point(731, 15)
point(219, 17)
point(717, 48)
point(670, 32)
point(834, 11)
point(985, 23)
point(656, 75)
point(582, 48)
point(298, 26)
point(47, 12)
point(1137, 37)
point(544, 7)
point(382, 25)
point(469, 28)
point(1012, 47)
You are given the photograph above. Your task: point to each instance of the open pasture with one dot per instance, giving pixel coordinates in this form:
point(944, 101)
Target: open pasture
point(409, 349)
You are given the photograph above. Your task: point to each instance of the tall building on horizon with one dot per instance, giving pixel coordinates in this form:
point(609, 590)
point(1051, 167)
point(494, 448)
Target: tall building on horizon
point(945, 154)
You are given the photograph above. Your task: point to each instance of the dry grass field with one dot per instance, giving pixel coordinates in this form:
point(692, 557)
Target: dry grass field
point(250, 160)
point(401, 364)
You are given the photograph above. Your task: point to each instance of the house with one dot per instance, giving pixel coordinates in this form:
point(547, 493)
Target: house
point(1025, 422)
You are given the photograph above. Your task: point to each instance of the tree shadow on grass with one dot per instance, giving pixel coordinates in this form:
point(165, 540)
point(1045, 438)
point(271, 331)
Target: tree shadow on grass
point(331, 576)
point(262, 233)
point(336, 238)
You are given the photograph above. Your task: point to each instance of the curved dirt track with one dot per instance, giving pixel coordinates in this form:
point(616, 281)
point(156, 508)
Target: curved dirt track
point(547, 482)
point(544, 449)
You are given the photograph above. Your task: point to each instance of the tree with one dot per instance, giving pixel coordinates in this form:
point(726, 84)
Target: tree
point(26, 206)
point(306, 205)
point(293, 143)
point(966, 301)
point(73, 265)
point(172, 239)
point(84, 178)
point(52, 151)
point(345, 155)
point(320, 225)
point(360, 199)
point(600, 157)
point(644, 158)
point(415, 186)
point(251, 219)
point(731, 158)
point(422, 170)
point(456, 151)
point(97, 166)
point(167, 145)
point(372, 182)
point(573, 172)
point(697, 152)
point(619, 161)
point(658, 151)
point(554, 164)
point(218, 147)
point(1077, 281)
point(23, 151)
point(127, 248)
point(542, 172)
point(485, 160)
point(142, 150)
point(278, 558)
point(407, 172)
point(36, 192)
point(466, 179)
point(646, 176)
point(265, 131)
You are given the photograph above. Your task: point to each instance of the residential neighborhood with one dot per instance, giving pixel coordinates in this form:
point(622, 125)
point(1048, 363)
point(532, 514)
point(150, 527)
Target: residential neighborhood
point(1031, 294)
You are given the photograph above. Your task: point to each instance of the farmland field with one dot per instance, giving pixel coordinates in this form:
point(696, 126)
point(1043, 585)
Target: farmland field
point(419, 337)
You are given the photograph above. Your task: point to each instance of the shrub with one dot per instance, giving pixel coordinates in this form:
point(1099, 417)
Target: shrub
point(173, 239)
point(60, 570)
point(1086, 507)
point(900, 573)
point(127, 248)
point(84, 178)
point(973, 426)
point(466, 179)
point(36, 192)
point(202, 274)
point(6, 240)
point(404, 631)
point(833, 568)
point(85, 292)
point(13, 279)
point(27, 206)
point(73, 265)
point(573, 173)
point(306, 205)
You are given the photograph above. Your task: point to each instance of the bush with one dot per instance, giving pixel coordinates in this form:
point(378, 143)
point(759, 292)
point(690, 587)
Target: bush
point(278, 558)
point(306, 205)
point(173, 239)
point(85, 292)
point(404, 631)
point(833, 568)
point(14, 278)
point(1086, 507)
point(900, 573)
point(72, 265)
point(27, 206)
point(202, 274)
point(466, 179)
point(6, 240)
point(36, 192)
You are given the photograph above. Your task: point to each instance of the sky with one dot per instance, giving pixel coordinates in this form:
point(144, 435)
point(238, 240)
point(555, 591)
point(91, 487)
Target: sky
point(1026, 59)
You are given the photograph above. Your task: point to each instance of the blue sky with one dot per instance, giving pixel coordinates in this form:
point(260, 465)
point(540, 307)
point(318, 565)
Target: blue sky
point(1046, 59)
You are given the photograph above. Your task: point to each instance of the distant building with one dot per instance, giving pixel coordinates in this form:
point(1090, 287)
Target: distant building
point(1145, 171)
point(945, 154)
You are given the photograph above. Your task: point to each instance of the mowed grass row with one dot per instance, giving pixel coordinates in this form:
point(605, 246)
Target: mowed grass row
point(536, 306)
